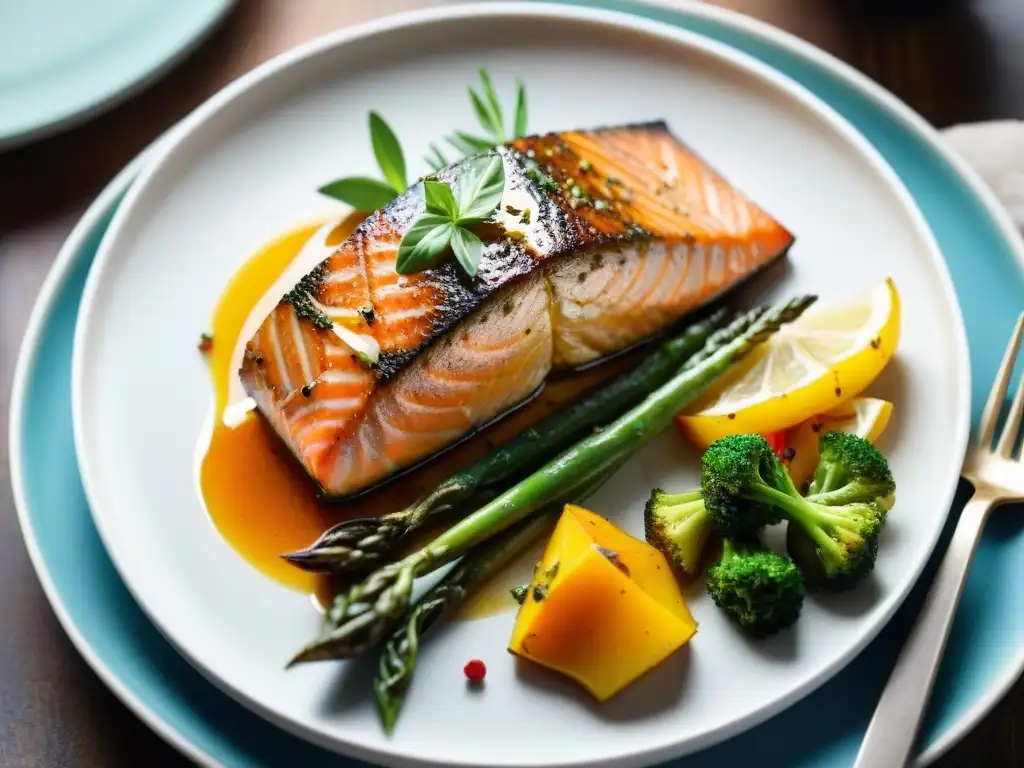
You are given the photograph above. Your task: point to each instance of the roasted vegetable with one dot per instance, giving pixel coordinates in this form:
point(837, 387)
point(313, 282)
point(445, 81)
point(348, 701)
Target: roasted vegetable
point(761, 591)
point(679, 525)
point(833, 534)
point(603, 607)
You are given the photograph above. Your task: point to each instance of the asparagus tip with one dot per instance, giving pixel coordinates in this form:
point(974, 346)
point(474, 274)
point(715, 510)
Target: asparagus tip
point(315, 651)
point(302, 558)
point(387, 707)
point(297, 659)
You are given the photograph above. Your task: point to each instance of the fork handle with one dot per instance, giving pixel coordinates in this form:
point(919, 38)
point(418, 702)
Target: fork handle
point(892, 733)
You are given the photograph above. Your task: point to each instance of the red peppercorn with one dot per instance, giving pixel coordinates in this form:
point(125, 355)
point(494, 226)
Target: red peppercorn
point(475, 670)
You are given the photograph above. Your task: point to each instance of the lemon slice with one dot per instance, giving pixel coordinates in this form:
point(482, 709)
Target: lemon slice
point(832, 353)
point(865, 417)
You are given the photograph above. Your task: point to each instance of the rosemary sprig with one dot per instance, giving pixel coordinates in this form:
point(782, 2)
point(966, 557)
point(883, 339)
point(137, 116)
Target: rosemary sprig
point(488, 110)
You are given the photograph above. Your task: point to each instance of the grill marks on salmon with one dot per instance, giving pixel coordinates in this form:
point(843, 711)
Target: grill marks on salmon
point(604, 239)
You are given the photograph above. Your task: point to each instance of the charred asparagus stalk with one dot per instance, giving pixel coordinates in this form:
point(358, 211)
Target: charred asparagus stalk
point(357, 546)
point(398, 657)
point(360, 617)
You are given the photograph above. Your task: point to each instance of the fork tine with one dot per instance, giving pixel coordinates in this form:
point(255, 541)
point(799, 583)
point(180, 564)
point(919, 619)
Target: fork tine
point(1012, 426)
point(990, 415)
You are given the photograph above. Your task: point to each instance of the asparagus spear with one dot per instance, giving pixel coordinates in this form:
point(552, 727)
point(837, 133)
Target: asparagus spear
point(360, 545)
point(398, 656)
point(360, 617)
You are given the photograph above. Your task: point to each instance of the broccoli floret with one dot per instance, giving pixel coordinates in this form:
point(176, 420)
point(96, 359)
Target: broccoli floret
point(832, 535)
point(737, 475)
point(678, 525)
point(760, 590)
point(836, 546)
point(850, 469)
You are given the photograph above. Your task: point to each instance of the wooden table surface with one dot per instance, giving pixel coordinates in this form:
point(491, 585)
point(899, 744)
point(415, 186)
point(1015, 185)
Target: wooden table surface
point(953, 66)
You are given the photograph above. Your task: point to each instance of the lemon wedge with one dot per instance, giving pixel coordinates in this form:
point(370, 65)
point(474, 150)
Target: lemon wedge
point(811, 366)
point(865, 417)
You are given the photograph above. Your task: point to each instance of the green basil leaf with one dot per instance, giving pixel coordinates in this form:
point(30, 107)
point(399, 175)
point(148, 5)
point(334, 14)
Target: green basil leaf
point(479, 187)
point(424, 244)
point(468, 248)
point(520, 109)
point(495, 106)
point(440, 200)
point(388, 152)
point(361, 192)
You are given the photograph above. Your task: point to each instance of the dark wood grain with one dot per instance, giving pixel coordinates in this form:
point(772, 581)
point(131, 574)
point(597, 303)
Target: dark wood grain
point(952, 66)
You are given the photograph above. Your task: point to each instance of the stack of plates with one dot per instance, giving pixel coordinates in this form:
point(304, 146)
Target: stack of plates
point(107, 399)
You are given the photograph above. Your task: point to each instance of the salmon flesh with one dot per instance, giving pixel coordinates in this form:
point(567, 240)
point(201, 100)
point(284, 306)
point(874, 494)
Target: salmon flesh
point(603, 239)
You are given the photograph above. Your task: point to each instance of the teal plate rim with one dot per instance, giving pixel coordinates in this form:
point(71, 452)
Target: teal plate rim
point(136, 662)
point(75, 91)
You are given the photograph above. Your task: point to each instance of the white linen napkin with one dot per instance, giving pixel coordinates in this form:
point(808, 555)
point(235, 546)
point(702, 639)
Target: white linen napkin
point(996, 151)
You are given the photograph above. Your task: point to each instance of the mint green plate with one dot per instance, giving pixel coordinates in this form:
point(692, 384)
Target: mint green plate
point(64, 60)
point(986, 649)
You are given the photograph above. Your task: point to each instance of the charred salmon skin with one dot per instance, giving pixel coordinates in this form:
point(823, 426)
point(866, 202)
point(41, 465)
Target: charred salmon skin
point(603, 239)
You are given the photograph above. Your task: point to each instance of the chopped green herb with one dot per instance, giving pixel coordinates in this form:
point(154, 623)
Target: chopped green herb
point(519, 593)
point(525, 218)
point(585, 166)
point(544, 182)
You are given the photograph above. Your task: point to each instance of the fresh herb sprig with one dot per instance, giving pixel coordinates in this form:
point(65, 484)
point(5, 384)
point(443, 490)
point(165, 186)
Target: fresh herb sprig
point(367, 194)
point(450, 213)
point(488, 111)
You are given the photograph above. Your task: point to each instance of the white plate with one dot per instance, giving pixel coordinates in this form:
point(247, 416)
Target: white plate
point(244, 167)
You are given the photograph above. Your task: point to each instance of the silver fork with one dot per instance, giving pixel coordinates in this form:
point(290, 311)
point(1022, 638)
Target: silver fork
point(997, 478)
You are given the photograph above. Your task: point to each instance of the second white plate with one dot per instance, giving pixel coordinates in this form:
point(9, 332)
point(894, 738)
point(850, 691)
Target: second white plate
point(244, 168)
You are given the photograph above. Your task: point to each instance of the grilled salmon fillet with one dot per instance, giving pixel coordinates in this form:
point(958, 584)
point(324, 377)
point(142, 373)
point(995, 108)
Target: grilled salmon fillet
point(603, 239)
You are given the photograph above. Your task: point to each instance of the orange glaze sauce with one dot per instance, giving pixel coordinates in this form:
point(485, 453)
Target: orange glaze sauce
point(259, 497)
